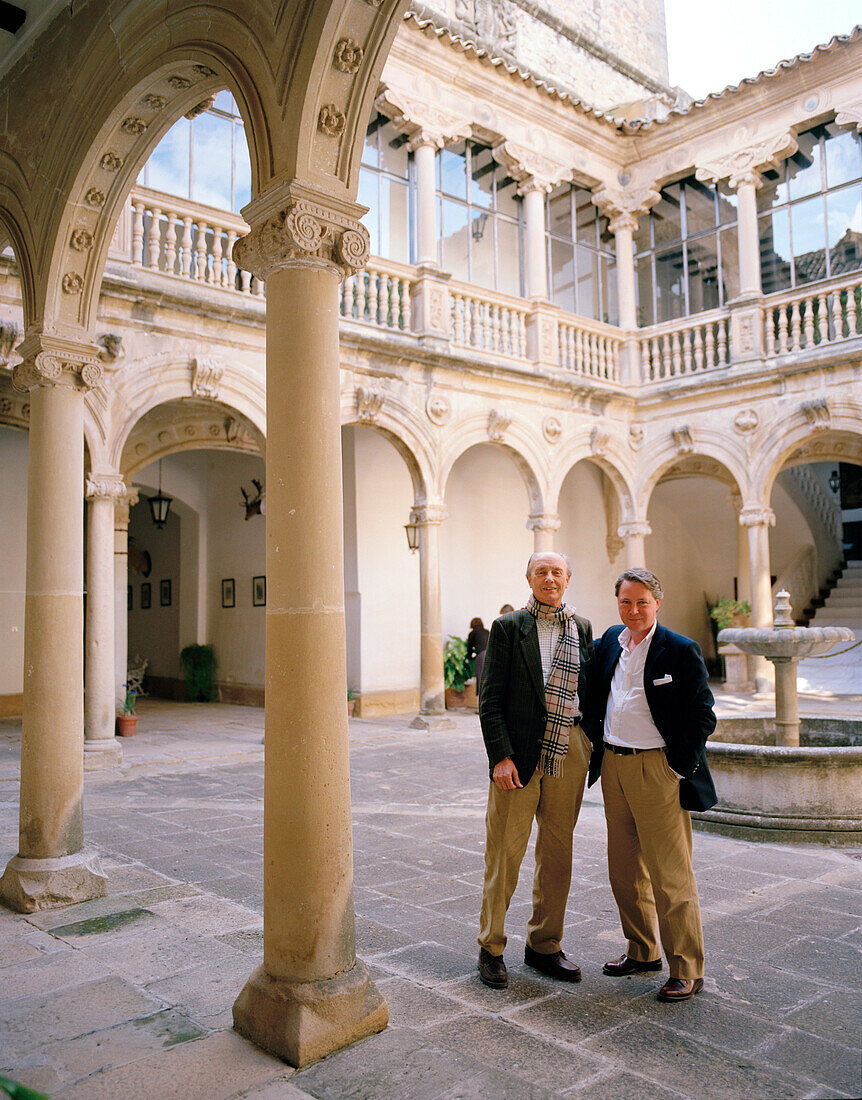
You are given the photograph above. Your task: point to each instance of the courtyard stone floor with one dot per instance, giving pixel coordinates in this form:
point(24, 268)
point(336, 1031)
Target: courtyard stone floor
point(129, 997)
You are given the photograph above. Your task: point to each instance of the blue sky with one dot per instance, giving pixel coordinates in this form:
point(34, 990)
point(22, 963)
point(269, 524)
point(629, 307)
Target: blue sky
point(711, 45)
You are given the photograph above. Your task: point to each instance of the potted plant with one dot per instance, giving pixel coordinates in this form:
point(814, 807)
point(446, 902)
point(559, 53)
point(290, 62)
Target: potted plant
point(724, 613)
point(351, 702)
point(199, 668)
point(457, 670)
point(127, 720)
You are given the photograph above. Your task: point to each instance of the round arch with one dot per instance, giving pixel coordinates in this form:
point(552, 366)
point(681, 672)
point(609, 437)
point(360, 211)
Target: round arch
point(708, 456)
point(605, 453)
point(517, 441)
point(404, 430)
point(794, 442)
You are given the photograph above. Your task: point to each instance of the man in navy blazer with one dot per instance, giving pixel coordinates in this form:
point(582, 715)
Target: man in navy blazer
point(651, 715)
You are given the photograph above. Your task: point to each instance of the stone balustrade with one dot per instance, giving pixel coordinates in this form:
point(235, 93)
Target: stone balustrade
point(487, 322)
point(378, 295)
point(685, 346)
point(818, 313)
point(590, 348)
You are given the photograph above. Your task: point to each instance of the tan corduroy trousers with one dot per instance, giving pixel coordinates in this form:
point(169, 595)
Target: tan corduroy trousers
point(555, 804)
point(649, 861)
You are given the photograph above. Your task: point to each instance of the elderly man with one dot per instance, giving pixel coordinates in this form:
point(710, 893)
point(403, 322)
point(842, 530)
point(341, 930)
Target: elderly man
point(537, 668)
point(653, 714)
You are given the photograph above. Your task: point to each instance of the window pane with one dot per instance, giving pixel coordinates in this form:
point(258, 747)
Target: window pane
point(482, 177)
point(369, 150)
point(225, 102)
point(562, 275)
point(453, 240)
point(670, 290)
point(775, 251)
point(560, 213)
point(393, 151)
point(211, 160)
point(700, 209)
point(667, 216)
point(508, 200)
point(588, 282)
point(727, 201)
point(586, 218)
point(844, 219)
point(367, 195)
point(804, 167)
point(169, 164)
point(453, 171)
point(646, 315)
point(807, 220)
point(394, 223)
point(729, 240)
point(703, 290)
point(610, 305)
point(242, 169)
point(842, 156)
point(508, 258)
point(482, 249)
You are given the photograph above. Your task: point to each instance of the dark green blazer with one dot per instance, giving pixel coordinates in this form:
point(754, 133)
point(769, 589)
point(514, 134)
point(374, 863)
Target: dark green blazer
point(512, 694)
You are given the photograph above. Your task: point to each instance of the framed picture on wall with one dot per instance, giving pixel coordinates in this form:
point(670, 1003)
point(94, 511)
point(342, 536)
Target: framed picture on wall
point(146, 596)
point(258, 591)
point(228, 592)
point(129, 601)
point(165, 593)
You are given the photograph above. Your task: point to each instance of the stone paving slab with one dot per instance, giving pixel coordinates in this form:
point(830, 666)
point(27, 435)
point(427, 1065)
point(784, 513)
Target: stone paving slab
point(130, 996)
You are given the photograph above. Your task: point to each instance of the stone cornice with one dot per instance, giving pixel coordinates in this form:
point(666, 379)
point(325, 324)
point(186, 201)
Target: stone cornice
point(745, 165)
point(423, 123)
point(54, 361)
point(622, 206)
point(295, 226)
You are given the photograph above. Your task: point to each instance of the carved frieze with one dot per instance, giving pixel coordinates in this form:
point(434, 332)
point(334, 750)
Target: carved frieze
point(849, 115)
point(206, 377)
point(753, 515)
point(624, 205)
point(423, 514)
point(492, 21)
point(543, 521)
point(635, 529)
point(498, 425)
point(745, 165)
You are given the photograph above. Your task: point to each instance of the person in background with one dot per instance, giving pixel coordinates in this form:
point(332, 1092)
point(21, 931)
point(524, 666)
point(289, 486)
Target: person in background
point(477, 643)
point(506, 608)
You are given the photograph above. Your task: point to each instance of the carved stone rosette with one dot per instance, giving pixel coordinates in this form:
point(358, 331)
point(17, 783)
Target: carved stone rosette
point(110, 487)
point(304, 233)
point(56, 366)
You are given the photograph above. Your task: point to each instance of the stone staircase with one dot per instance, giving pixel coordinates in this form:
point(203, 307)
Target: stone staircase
point(843, 607)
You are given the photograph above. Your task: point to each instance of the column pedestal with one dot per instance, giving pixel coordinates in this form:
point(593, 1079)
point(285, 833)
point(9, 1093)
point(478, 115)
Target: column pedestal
point(30, 885)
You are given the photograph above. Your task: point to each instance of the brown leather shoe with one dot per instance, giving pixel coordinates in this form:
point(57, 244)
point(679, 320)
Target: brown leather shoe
point(555, 965)
point(680, 989)
point(492, 970)
point(618, 968)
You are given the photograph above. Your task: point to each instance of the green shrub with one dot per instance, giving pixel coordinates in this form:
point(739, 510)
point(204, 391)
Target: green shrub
point(199, 668)
point(457, 666)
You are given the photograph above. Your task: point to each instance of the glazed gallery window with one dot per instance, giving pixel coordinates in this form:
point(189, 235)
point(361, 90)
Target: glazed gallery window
point(385, 188)
point(686, 252)
point(581, 255)
point(811, 211)
point(478, 219)
point(204, 159)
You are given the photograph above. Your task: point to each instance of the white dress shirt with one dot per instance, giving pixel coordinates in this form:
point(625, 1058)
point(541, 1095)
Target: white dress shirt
point(549, 633)
point(628, 720)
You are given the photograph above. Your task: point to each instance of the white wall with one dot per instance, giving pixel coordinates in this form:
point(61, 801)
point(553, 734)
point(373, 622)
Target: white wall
point(484, 544)
point(582, 535)
point(13, 524)
point(154, 633)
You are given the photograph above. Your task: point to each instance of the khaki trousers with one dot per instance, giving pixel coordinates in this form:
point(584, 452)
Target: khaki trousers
point(555, 804)
point(649, 861)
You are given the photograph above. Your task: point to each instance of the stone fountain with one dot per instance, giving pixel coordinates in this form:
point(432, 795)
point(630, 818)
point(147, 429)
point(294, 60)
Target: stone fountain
point(777, 778)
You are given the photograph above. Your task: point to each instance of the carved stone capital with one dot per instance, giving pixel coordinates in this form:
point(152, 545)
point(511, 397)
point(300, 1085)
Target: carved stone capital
point(122, 505)
point(423, 123)
point(849, 114)
point(622, 206)
point(753, 515)
point(534, 171)
point(51, 361)
point(298, 227)
point(745, 165)
point(109, 487)
point(206, 376)
point(425, 514)
point(543, 521)
point(636, 529)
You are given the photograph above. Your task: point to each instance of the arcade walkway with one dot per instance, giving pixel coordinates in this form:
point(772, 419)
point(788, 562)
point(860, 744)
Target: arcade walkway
point(130, 996)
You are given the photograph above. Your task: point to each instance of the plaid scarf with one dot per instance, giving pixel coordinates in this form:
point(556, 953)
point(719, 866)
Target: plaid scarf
point(561, 690)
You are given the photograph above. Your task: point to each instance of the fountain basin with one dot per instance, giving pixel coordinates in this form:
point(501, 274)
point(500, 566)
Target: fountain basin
point(786, 643)
point(810, 793)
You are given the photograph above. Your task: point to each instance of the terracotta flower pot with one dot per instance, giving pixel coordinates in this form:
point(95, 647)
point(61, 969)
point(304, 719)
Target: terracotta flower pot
point(456, 700)
point(127, 725)
point(351, 706)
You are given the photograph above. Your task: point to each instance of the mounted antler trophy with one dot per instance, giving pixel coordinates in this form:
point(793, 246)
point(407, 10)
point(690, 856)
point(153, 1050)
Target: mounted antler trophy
point(253, 505)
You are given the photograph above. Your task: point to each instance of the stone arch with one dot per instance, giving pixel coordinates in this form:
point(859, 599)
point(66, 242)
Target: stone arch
point(517, 440)
point(604, 452)
point(708, 456)
point(15, 229)
point(795, 441)
point(404, 430)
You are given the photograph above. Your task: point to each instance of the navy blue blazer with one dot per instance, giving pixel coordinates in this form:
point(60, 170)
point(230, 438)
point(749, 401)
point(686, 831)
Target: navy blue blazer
point(680, 702)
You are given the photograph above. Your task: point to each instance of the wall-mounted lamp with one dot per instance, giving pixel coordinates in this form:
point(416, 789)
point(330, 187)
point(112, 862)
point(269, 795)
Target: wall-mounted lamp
point(412, 530)
point(160, 504)
point(835, 481)
point(478, 227)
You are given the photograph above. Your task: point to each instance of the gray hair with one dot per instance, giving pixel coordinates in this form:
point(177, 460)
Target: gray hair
point(541, 554)
point(640, 576)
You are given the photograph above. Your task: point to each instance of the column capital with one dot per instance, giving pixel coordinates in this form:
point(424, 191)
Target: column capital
point(755, 515)
point(122, 506)
point(105, 486)
point(534, 171)
point(849, 114)
point(294, 225)
point(424, 515)
point(744, 166)
point(422, 123)
point(623, 205)
point(636, 529)
point(543, 521)
point(54, 361)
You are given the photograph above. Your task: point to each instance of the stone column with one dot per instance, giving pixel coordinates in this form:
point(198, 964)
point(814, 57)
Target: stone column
point(533, 191)
point(51, 867)
point(101, 747)
point(432, 703)
point(633, 536)
point(311, 995)
point(121, 598)
point(748, 235)
point(544, 526)
point(757, 520)
point(424, 148)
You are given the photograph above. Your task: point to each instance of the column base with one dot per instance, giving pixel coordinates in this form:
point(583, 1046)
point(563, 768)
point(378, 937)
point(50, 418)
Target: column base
point(103, 752)
point(29, 885)
point(304, 1021)
point(432, 722)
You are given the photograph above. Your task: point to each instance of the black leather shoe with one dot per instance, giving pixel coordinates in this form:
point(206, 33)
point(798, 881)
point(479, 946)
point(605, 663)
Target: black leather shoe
point(555, 965)
point(679, 989)
point(624, 965)
point(492, 969)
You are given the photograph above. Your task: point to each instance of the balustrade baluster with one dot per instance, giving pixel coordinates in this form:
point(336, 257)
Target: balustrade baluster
point(769, 331)
point(685, 341)
point(245, 282)
point(200, 270)
point(795, 328)
point(782, 330)
point(809, 323)
point(457, 319)
point(676, 366)
point(406, 316)
point(655, 358)
point(171, 244)
point(522, 335)
point(851, 311)
point(665, 356)
point(837, 315)
point(231, 266)
point(138, 234)
point(217, 272)
point(722, 343)
point(709, 350)
point(602, 360)
point(494, 328)
point(154, 238)
point(186, 250)
point(698, 348)
point(373, 297)
point(822, 320)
